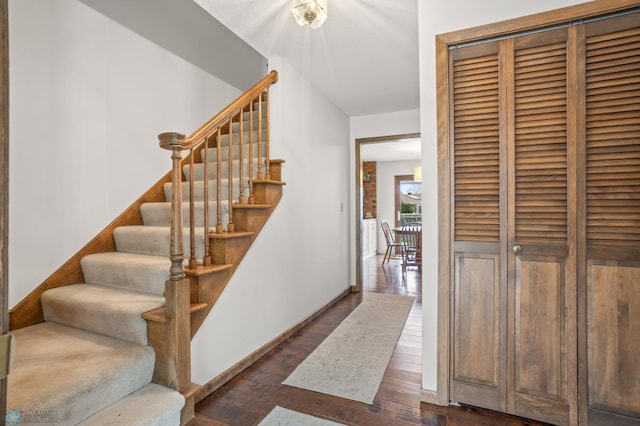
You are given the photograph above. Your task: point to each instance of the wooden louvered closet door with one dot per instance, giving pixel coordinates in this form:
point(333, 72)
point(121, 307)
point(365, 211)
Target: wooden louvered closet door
point(545, 201)
point(478, 375)
point(612, 322)
point(514, 295)
point(540, 237)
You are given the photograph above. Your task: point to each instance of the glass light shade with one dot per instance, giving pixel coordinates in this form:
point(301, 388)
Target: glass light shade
point(417, 174)
point(312, 12)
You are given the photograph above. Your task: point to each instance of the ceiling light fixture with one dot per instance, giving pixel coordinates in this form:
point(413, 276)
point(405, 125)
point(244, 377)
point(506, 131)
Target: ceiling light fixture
point(312, 12)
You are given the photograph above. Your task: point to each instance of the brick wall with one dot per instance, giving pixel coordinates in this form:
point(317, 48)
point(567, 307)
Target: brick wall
point(369, 196)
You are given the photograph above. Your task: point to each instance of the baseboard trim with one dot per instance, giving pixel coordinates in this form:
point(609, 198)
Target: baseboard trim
point(429, 396)
point(218, 381)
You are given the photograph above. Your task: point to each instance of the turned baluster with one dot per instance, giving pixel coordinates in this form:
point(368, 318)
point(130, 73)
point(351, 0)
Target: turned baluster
point(206, 261)
point(260, 175)
point(241, 157)
point(230, 227)
point(268, 137)
point(193, 261)
point(250, 178)
point(219, 228)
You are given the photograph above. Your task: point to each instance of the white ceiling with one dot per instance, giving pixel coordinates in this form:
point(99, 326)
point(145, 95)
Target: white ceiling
point(364, 57)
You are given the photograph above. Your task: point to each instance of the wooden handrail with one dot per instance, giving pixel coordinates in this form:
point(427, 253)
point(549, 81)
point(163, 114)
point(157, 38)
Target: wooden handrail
point(219, 119)
point(177, 287)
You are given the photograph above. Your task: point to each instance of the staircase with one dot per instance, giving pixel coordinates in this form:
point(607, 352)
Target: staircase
point(106, 339)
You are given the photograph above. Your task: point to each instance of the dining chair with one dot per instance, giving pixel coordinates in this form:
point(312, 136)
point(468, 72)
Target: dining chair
point(411, 235)
point(392, 244)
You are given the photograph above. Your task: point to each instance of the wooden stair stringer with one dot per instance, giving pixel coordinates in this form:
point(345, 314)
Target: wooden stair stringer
point(210, 286)
point(208, 282)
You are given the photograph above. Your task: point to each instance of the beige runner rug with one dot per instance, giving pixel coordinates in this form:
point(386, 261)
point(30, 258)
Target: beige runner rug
point(351, 361)
point(284, 417)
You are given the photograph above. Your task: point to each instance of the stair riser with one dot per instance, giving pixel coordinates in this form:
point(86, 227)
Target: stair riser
point(101, 310)
point(256, 107)
point(224, 150)
point(159, 214)
point(248, 137)
point(246, 121)
point(126, 271)
point(155, 241)
point(152, 405)
point(224, 169)
point(198, 190)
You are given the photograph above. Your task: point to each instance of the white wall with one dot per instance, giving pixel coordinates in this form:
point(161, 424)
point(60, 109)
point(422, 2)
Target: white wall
point(437, 17)
point(300, 261)
point(369, 126)
point(88, 99)
point(386, 171)
point(187, 30)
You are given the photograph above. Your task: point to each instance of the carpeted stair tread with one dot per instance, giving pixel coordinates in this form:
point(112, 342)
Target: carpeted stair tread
point(103, 310)
point(153, 405)
point(130, 271)
point(154, 240)
point(73, 373)
point(159, 213)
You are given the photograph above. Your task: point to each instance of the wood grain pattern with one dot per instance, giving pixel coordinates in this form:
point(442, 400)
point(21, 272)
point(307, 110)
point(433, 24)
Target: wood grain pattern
point(569, 167)
point(613, 343)
point(613, 136)
point(444, 220)
point(538, 21)
point(476, 144)
point(478, 373)
point(611, 334)
point(540, 130)
point(541, 352)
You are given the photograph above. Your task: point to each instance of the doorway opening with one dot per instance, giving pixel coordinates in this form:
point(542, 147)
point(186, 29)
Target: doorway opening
point(386, 148)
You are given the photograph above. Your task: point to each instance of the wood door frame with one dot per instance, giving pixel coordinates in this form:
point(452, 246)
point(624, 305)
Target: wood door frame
point(444, 42)
point(4, 186)
point(359, 224)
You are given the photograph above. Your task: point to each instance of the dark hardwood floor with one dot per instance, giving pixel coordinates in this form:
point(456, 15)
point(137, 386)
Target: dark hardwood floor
point(250, 396)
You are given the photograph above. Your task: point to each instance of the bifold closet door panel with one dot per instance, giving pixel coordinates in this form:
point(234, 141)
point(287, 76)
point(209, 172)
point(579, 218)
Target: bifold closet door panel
point(542, 265)
point(613, 220)
point(478, 374)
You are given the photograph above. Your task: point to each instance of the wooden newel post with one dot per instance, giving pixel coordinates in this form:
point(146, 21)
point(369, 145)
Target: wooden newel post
point(174, 142)
point(177, 294)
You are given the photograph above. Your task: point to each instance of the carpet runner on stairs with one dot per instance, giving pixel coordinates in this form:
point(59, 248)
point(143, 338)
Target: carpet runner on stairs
point(69, 375)
point(90, 362)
